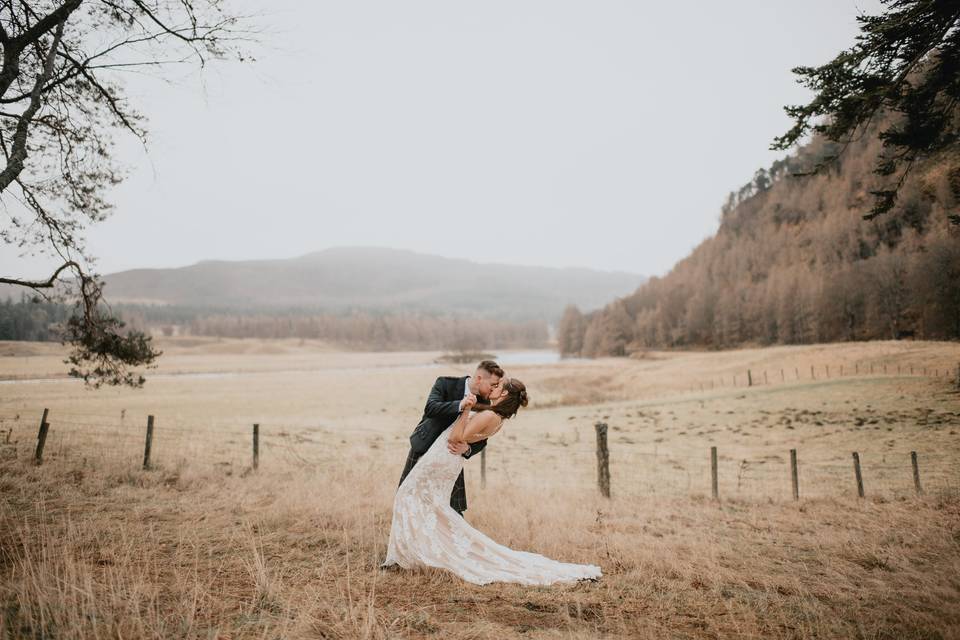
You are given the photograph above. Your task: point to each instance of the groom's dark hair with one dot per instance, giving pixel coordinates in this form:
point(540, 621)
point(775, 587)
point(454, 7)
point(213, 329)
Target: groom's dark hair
point(491, 367)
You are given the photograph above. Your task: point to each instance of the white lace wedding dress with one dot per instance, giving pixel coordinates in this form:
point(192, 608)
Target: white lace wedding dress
point(426, 531)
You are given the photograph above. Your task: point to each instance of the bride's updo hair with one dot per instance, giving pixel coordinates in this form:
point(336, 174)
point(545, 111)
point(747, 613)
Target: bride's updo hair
point(507, 408)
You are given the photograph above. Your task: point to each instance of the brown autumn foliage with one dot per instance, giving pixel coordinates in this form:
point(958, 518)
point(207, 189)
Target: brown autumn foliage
point(794, 262)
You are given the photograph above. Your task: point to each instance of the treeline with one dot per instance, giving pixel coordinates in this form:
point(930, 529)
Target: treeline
point(27, 320)
point(35, 321)
point(380, 332)
point(794, 262)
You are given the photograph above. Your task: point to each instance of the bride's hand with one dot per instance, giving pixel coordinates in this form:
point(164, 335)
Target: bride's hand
point(457, 447)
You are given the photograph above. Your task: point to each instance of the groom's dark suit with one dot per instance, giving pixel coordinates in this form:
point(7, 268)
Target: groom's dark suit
point(441, 410)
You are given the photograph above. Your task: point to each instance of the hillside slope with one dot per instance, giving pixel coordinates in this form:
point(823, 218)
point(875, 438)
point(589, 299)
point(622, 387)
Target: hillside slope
point(793, 261)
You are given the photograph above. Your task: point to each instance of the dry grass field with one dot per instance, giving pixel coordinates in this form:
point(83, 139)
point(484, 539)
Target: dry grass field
point(201, 546)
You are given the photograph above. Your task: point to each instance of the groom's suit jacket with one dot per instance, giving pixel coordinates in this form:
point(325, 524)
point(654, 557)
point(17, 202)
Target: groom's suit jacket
point(441, 410)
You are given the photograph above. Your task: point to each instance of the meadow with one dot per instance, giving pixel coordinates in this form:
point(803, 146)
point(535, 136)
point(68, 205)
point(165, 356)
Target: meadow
point(201, 545)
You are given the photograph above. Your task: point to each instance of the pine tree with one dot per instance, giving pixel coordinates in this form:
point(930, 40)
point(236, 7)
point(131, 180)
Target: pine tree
point(905, 61)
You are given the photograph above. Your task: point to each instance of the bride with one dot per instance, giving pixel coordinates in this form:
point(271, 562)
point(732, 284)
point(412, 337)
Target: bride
point(427, 532)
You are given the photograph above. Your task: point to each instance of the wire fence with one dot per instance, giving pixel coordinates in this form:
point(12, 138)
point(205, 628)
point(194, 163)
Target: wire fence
point(636, 472)
point(583, 464)
point(818, 372)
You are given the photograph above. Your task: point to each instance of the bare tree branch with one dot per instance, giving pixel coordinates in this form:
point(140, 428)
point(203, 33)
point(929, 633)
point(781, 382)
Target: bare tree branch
point(13, 47)
point(42, 284)
point(18, 152)
point(59, 149)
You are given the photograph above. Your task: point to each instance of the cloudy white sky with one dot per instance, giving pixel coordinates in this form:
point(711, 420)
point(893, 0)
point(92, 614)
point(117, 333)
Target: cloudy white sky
point(603, 134)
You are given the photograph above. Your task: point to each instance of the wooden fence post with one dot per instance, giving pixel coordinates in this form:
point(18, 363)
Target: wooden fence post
point(603, 459)
point(782, 378)
point(714, 484)
point(41, 437)
point(483, 468)
point(796, 370)
point(148, 444)
point(794, 478)
point(958, 376)
point(856, 471)
point(765, 381)
point(256, 446)
point(749, 378)
point(827, 368)
point(916, 472)
point(813, 376)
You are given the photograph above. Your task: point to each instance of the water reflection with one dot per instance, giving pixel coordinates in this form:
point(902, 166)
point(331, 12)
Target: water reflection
point(531, 357)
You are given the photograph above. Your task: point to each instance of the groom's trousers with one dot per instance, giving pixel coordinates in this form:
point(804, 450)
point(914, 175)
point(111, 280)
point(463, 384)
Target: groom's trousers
point(458, 497)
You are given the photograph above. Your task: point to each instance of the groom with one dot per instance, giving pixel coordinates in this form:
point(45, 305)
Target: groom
point(444, 404)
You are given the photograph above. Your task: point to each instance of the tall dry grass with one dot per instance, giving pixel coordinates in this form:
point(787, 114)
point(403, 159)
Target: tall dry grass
point(105, 550)
point(92, 546)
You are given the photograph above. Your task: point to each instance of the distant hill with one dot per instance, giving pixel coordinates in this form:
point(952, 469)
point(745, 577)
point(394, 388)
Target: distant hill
point(373, 279)
point(793, 262)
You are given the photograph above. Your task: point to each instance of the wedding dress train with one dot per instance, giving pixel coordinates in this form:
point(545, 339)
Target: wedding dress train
point(426, 531)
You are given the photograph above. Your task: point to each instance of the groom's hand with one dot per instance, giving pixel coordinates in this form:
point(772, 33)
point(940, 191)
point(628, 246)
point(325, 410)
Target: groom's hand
point(457, 448)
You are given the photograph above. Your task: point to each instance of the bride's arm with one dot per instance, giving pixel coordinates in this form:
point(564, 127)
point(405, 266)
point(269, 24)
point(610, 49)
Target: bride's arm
point(460, 423)
point(473, 429)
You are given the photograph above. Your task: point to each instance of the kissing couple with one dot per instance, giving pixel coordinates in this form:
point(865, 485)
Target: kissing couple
point(428, 528)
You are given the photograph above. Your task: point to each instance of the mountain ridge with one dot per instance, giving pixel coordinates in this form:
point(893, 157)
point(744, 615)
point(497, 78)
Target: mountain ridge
point(373, 279)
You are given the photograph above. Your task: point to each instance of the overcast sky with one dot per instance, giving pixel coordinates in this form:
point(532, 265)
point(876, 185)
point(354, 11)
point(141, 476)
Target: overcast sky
point(602, 134)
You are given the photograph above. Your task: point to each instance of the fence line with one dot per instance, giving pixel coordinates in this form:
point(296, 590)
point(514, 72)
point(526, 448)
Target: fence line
point(617, 456)
point(919, 471)
point(753, 378)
